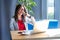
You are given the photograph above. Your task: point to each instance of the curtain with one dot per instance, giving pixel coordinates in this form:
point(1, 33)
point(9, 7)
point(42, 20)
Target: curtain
point(7, 10)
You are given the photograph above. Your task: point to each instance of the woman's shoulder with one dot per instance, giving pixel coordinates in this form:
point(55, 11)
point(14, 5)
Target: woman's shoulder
point(12, 19)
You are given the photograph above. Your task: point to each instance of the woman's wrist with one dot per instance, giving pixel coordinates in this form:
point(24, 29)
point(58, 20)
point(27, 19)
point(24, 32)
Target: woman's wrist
point(28, 15)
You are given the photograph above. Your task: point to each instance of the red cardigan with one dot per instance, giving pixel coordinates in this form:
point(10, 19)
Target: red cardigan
point(21, 25)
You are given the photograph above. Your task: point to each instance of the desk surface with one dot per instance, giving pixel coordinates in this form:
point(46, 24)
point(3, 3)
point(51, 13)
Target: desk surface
point(15, 35)
point(48, 33)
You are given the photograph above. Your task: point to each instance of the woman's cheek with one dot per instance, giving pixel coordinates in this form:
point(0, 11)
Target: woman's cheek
point(20, 11)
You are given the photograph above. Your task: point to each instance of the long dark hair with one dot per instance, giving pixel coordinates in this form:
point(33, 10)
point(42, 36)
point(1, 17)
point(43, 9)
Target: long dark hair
point(16, 12)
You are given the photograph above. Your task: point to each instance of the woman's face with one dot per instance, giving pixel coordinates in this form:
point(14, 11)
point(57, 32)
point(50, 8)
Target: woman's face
point(21, 10)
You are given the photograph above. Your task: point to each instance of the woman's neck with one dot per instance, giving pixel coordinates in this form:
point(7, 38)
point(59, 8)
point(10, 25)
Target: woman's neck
point(19, 17)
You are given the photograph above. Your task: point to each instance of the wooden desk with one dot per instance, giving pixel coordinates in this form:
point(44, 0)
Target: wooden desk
point(48, 33)
point(16, 36)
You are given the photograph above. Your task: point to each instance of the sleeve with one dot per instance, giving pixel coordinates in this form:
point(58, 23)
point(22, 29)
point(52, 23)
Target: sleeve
point(31, 20)
point(11, 24)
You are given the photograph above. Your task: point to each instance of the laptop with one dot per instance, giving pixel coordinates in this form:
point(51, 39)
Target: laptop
point(39, 27)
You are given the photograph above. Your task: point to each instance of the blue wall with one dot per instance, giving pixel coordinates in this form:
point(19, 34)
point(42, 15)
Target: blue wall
point(0, 20)
point(40, 11)
point(57, 11)
point(37, 10)
point(44, 9)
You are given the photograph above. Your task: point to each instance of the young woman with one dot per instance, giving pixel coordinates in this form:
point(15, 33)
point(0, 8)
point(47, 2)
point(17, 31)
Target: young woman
point(21, 19)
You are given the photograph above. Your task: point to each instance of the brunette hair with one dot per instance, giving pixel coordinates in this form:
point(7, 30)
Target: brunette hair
point(16, 12)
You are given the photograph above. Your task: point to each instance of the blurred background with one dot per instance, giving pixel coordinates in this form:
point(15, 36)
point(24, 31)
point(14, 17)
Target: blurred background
point(45, 9)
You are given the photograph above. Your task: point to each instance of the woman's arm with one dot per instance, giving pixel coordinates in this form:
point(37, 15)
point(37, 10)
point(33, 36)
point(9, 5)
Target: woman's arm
point(31, 19)
point(11, 24)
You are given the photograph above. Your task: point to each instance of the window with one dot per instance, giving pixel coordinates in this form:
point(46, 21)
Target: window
point(50, 9)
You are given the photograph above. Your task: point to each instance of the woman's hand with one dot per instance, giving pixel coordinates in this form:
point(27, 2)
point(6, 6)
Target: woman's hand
point(26, 12)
